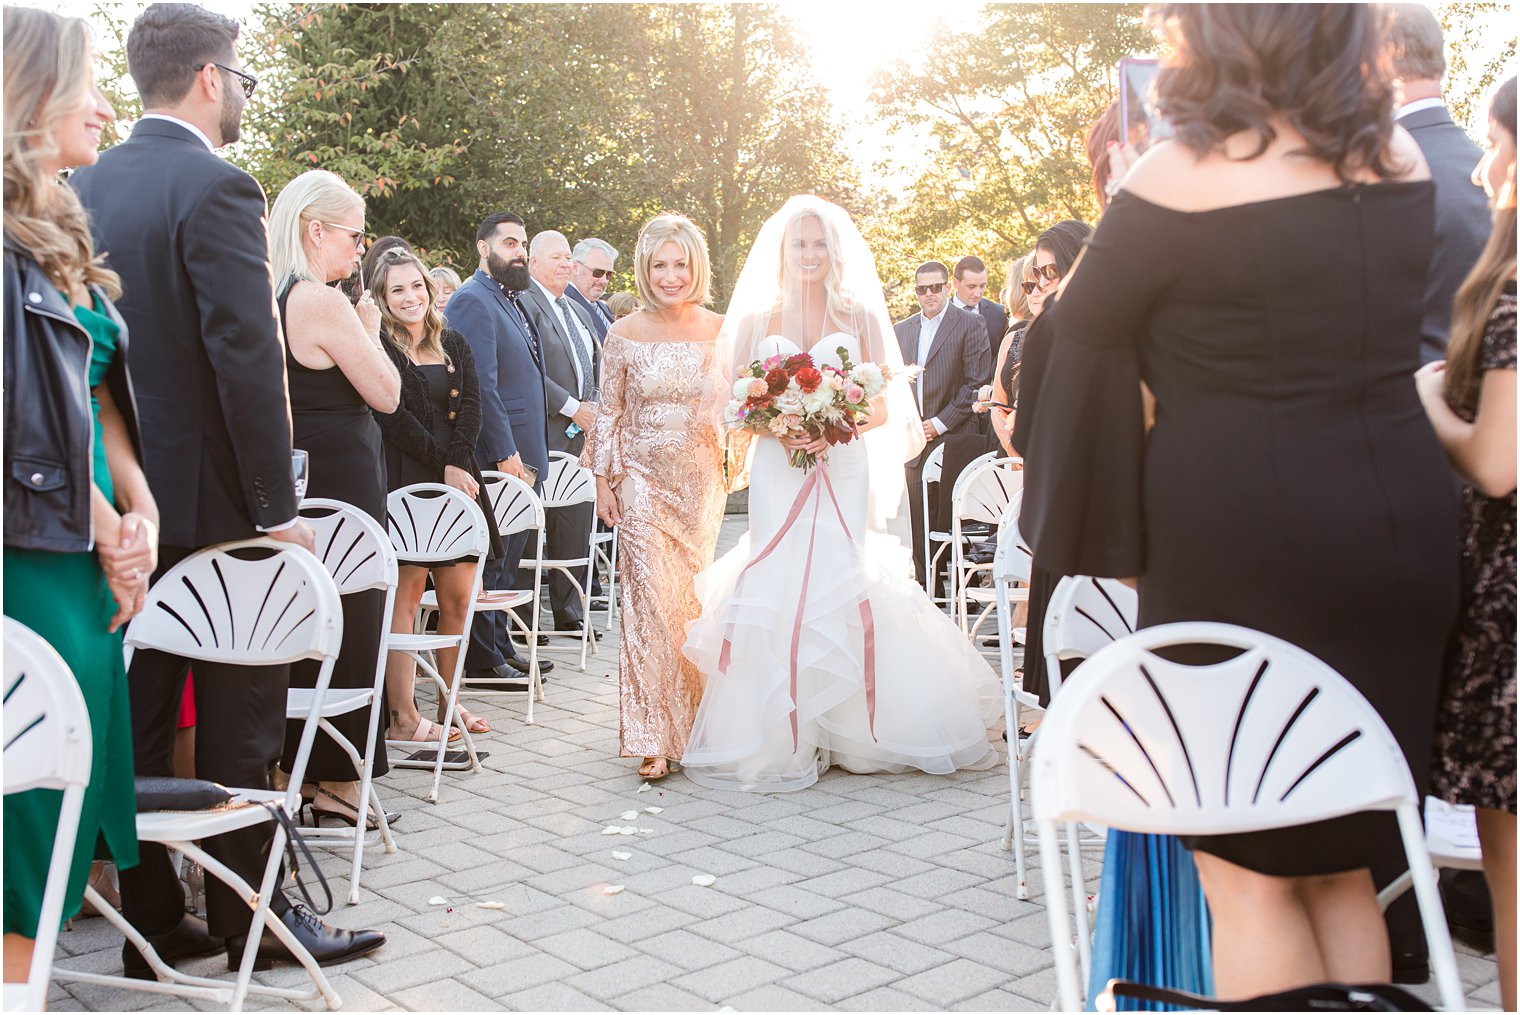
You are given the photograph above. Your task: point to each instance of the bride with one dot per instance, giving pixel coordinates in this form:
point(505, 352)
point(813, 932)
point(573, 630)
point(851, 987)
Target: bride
point(816, 646)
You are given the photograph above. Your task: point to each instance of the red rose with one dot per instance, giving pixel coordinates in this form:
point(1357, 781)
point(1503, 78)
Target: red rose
point(777, 380)
point(808, 379)
point(797, 361)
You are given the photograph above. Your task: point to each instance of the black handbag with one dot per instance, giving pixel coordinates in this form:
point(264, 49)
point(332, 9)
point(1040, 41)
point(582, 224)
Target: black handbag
point(1315, 997)
point(164, 793)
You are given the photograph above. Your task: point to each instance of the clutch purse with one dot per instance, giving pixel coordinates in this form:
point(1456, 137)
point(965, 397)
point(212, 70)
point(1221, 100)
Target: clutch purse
point(164, 793)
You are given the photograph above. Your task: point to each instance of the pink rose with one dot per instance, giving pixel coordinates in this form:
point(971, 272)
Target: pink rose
point(757, 388)
point(791, 421)
point(854, 393)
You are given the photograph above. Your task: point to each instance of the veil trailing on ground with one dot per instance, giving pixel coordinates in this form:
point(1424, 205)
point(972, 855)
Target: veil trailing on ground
point(810, 275)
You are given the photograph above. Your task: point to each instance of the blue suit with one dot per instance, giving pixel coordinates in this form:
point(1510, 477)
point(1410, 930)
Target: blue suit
point(512, 422)
point(601, 317)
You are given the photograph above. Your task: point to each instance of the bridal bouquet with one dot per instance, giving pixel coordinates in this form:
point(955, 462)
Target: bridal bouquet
point(793, 394)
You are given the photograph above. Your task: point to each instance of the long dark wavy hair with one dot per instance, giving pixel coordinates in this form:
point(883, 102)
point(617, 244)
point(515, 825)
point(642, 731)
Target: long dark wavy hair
point(1325, 68)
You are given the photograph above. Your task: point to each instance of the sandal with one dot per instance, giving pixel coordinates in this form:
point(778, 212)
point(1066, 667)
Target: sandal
point(350, 818)
point(473, 723)
point(427, 732)
point(654, 768)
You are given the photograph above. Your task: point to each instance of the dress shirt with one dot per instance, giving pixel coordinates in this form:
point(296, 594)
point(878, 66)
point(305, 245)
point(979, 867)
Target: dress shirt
point(955, 301)
point(572, 405)
point(1434, 102)
point(192, 128)
point(926, 333)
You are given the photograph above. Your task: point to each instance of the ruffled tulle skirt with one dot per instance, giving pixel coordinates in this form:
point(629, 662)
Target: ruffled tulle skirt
point(934, 696)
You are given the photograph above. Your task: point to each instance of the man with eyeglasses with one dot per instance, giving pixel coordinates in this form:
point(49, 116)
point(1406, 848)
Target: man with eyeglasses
point(185, 230)
point(590, 273)
point(950, 347)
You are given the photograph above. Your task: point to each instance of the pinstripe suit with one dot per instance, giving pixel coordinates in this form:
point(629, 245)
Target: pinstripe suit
point(959, 362)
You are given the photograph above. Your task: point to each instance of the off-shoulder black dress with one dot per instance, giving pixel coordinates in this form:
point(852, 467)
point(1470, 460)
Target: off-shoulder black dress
point(1291, 482)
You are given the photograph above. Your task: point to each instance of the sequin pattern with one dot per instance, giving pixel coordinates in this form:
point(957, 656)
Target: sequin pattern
point(652, 440)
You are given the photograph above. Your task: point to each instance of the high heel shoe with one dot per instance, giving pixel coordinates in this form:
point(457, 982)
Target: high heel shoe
point(320, 814)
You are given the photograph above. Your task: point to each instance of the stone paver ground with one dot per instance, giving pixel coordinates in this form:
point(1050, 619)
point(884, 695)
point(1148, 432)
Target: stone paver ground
point(863, 893)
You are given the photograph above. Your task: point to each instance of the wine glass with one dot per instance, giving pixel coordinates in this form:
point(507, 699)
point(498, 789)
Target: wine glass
point(299, 468)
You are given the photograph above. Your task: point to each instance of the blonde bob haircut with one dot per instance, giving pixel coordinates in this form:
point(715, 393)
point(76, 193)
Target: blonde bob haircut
point(673, 227)
point(315, 196)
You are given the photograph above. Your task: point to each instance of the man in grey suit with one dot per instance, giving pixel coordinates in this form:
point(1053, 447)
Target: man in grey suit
point(951, 347)
point(572, 360)
point(1463, 220)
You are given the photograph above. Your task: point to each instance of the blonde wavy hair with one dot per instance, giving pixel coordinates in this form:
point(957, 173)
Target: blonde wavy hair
point(47, 77)
point(315, 196)
point(684, 232)
point(392, 327)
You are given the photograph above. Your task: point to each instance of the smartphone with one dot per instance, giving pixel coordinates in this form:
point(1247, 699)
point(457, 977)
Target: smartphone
point(1140, 119)
point(530, 475)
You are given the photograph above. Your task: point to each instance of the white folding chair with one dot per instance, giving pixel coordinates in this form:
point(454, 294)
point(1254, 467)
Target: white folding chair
point(935, 540)
point(47, 746)
point(258, 602)
point(568, 484)
point(517, 509)
point(430, 523)
point(981, 494)
point(1270, 738)
point(359, 556)
point(1010, 570)
point(1451, 836)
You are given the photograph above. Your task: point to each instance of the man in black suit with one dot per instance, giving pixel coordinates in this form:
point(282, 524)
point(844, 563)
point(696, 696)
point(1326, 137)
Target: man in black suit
point(591, 264)
point(572, 383)
point(485, 310)
point(970, 285)
point(185, 230)
point(951, 347)
point(1463, 219)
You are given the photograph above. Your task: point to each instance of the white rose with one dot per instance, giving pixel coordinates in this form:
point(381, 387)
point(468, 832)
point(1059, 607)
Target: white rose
point(869, 377)
point(816, 402)
point(789, 403)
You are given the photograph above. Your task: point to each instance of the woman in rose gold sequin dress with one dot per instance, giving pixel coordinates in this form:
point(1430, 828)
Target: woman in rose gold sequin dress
point(656, 450)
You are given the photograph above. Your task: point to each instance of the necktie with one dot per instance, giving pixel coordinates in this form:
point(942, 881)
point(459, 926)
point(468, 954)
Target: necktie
point(588, 378)
point(527, 324)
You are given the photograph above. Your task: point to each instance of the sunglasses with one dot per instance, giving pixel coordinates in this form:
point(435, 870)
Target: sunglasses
point(248, 81)
point(1043, 274)
point(933, 287)
point(599, 272)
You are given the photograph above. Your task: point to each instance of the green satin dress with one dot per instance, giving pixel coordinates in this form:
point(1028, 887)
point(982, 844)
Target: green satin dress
point(64, 598)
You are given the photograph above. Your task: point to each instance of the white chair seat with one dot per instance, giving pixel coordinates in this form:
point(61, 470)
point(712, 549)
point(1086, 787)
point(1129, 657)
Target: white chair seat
point(506, 599)
point(175, 826)
point(298, 702)
point(421, 642)
point(565, 562)
point(939, 537)
point(986, 595)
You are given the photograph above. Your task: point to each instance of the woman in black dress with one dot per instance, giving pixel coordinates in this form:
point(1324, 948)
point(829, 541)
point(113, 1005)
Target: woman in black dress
point(1471, 402)
point(1290, 482)
point(430, 438)
point(337, 372)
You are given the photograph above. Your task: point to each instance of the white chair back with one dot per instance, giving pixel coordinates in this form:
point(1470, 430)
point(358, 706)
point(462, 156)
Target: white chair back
point(254, 602)
point(516, 506)
point(1270, 738)
point(983, 490)
point(47, 746)
point(431, 522)
point(934, 465)
point(1012, 561)
point(568, 482)
point(351, 545)
point(1085, 614)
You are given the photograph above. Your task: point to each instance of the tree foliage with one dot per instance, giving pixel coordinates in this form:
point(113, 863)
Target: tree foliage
point(1479, 58)
point(1008, 110)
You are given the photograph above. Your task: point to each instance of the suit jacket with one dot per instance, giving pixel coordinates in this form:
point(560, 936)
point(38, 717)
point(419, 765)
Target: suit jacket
point(1463, 219)
point(559, 363)
point(186, 232)
point(511, 378)
point(997, 323)
point(597, 310)
point(960, 362)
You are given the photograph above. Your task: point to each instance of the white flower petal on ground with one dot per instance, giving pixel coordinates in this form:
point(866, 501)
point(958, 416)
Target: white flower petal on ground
point(611, 830)
point(647, 831)
point(653, 810)
point(438, 900)
point(492, 904)
point(704, 880)
point(629, 815)
point(613, 889)
point(618, 854)
point(627, 830)
point(645, 788)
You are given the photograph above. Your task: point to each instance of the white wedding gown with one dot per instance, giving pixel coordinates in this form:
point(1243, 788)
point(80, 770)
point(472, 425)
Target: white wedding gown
point(935, 697)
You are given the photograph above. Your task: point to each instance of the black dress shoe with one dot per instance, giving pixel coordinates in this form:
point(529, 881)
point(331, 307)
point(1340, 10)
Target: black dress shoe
point(188, 939)
point(1410, 967)
point(522, 639)
point(328, 945)
point(520, 664)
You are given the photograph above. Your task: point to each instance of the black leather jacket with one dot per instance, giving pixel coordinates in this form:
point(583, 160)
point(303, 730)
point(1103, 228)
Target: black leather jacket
point(49, 422)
